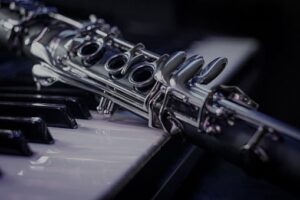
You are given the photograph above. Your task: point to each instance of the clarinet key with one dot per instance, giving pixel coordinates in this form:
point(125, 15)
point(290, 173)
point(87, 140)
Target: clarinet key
point(211, 70)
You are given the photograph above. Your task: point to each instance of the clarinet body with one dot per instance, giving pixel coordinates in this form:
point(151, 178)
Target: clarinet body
point(169, 91)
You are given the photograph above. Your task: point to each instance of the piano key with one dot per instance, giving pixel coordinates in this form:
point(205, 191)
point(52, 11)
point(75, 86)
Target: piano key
point(18, 81)
point(14, 142)
point(10, 68)
point(74, 104)
point(55, 115)
point(86, 97)
point(27, 81)
point(33, 128)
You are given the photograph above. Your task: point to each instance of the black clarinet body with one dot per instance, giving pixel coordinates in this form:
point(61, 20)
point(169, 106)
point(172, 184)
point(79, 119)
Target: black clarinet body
point(170, 91)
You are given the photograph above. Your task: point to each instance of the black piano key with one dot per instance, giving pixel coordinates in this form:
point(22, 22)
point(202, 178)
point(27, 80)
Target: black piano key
point(34, 128)
point(74, 104)
point(86, 97)
point(18, 81)
point(54, 114)
point(27, 81)
point(14, 142)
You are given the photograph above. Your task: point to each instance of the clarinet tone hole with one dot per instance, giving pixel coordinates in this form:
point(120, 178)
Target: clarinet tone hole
point(89, 49)
point(116, 63)
point(142, 77)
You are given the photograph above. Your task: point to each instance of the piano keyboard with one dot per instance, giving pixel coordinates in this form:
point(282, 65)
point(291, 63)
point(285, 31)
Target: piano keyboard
point(54, 145)
point(62, 156)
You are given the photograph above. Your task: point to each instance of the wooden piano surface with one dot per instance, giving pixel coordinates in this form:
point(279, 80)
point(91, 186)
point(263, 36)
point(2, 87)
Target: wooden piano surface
point(102, 156)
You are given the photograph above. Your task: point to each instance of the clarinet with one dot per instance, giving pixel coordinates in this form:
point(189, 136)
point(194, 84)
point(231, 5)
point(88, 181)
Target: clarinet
point(169, 91)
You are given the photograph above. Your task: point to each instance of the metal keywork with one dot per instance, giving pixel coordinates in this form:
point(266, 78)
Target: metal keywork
point(118, 65)
point(164, 72)
point(90, 52)
point(210, 71)
point(235, 95)
point(252, 150)
point(42, 76)
point(94, 24)
point(19, 30)
point(181, 77)
point(90, 49)
point(142, 75)
point(106, 107)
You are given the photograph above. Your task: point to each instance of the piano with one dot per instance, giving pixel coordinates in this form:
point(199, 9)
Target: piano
point(54, 144)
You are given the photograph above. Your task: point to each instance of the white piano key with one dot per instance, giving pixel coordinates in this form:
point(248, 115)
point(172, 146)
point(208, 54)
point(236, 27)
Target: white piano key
point(84, 163)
